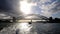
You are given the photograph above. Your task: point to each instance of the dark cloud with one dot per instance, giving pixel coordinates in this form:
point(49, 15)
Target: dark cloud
point(10, 7)
point(2, 4)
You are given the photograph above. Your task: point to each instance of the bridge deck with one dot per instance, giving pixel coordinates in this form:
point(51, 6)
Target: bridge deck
point(29, 20)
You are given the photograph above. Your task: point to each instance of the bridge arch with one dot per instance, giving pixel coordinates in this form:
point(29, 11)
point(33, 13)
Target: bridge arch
point(37, 15)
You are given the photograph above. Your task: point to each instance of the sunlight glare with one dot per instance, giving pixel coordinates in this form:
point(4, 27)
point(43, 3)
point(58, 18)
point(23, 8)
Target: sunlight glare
point(25, 7)
point(24, 26)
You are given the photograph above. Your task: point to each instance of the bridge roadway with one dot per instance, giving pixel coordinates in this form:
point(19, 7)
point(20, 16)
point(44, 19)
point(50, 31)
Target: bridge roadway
point(23, 20)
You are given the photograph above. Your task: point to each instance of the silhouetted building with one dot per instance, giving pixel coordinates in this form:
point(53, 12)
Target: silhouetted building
point(50, 18)
point(14, 19)
point(56, 20)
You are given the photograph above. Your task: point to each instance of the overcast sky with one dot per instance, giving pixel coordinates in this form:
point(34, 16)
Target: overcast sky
point(43, 7)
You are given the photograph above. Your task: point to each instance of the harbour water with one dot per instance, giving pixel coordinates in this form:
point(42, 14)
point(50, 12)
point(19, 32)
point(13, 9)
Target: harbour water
point(34, 28)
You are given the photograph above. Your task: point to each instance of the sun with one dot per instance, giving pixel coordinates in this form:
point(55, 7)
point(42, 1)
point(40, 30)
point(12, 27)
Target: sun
point(25, 7)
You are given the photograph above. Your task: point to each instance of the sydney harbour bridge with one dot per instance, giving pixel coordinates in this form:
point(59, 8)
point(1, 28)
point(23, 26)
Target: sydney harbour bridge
point(33, 18)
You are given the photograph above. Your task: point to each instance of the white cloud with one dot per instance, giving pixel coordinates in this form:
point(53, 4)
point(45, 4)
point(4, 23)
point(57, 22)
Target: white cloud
point(43, 1)
point(47, 10)
point(43, 9)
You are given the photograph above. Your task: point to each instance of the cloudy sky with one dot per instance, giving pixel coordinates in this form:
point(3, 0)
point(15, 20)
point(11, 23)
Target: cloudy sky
point(43, 7)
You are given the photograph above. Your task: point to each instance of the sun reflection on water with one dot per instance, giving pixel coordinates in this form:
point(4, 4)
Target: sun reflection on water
point(24, 28)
